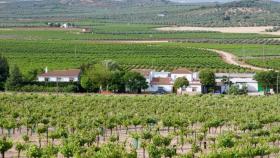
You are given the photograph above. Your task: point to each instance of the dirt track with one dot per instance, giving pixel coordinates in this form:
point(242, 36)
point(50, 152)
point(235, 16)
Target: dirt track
point(233, 60)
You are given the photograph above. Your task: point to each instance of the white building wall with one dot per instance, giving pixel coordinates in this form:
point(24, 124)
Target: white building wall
point(154, 88)
point(191, 89)
point(58, 79)
point(194, 89)
point(41, 79)
point(251, 84)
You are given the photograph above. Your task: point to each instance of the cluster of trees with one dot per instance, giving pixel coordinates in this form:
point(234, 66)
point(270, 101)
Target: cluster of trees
point(9, 78)
point(4, 71)
point(108, 76)
point(268, 80)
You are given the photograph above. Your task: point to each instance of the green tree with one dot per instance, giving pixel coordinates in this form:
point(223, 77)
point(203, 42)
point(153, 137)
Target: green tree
point(4, 71)
point(19, 147)
point(207, 79)
point(67, 149)
point(135, 82)
point(267, 79)
point(117, 83)
point(33, 151)
point(112, 150)
point(50, 151)
point(32, 75)
point(5, 145)
point(40, 130)
point(226, 140)
point(181, 82)
point(15, 79)
point(95, 77)
point(111, 65)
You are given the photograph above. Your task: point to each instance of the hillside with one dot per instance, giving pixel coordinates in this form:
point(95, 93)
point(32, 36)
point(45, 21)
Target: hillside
point(237, 13)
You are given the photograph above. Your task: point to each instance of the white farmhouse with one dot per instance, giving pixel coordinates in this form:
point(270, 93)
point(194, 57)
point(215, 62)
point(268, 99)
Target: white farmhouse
point(193, 78)
point(163, 81)
point(71, 75)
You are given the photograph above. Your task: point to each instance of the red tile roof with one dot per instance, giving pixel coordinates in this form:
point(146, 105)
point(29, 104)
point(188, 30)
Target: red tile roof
point(144, 72)
point(181, 71)
point(62, 73)
point(161, 81)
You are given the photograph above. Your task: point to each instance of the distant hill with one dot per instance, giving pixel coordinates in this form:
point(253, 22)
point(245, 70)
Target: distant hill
point(166, 12)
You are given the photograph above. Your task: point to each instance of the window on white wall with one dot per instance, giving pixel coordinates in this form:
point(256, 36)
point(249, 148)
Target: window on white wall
point(71, 79)
point(194, 89)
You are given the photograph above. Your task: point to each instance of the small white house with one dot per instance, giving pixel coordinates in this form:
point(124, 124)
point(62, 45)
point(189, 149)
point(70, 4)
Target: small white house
point(71, 75)
point(240, 79)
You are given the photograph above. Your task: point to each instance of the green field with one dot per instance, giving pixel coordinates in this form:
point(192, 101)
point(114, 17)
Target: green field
point(105, 31)
point(32, 48)
point(60, 54)
point(273, 63)
point(206, 126)
point(242, 50)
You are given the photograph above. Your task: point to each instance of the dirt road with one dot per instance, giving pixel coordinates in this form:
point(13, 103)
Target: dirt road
point(232, 59)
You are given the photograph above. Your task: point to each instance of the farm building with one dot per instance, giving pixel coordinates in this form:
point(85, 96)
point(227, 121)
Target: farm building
point(71, 75)
point(239, 79)
point(163, 81)
point(193, 78)
point(161, 84)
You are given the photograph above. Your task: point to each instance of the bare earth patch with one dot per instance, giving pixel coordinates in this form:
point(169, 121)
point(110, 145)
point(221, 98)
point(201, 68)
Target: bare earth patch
point(259, 30)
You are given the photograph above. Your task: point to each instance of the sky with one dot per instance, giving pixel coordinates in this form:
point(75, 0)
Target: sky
point(199, 1)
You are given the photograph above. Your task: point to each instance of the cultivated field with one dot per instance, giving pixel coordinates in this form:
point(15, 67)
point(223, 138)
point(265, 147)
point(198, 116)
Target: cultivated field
point(131, 32)
point(258, 30)
point(29, 55)
point(204, 126)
